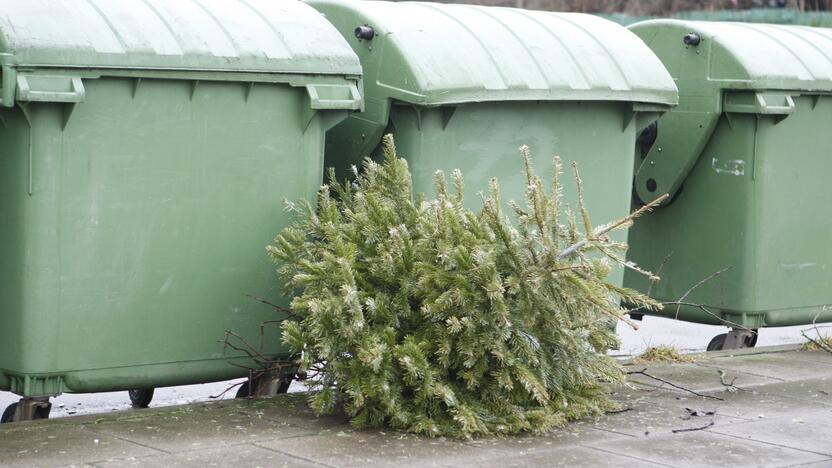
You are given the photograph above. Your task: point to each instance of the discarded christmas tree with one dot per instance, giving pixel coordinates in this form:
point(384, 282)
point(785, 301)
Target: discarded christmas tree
point(424, 316)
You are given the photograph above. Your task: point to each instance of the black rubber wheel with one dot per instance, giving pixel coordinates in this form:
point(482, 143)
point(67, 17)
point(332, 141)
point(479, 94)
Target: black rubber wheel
point(751, 341)
point(41, 412)
point(717, 343)
point(140, 398)
point(243, 390)
point(284, 386)
point(8, 414)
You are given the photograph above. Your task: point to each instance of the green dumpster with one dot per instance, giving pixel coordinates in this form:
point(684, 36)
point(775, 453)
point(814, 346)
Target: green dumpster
point(146, 147)
point(746, 156)
point(463, 87)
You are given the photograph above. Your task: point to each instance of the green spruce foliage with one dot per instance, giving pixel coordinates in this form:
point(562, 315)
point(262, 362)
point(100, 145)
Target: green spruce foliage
point(424, 316)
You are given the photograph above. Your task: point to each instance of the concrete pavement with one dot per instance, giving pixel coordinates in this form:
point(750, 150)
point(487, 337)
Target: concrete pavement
point(764, 407)
point(685, 336)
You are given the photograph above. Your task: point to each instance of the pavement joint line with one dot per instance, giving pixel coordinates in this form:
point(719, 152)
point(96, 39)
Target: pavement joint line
point(124, 439)
point(668, 388)
point(291, 455)
point(626, 360)
point(607, 451)
point(311, 433)
point(614, 432)
point(237, 444)
point(815, 463)
point(114, 459)
point(787, 396)
point(277, 418)
point(714, 366)
point(734, 436)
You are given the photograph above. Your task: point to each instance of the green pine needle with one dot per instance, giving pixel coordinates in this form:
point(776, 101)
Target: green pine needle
point(427, 317)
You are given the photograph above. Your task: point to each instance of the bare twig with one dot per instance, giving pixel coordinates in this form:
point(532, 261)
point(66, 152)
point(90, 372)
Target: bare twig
point(697, 285)
point(264, 362)
point(658, 273)
point(691, 429)
point(617, 411)
point(705, 309)
point(277, 307)
point(247, 348)
point(221, 394)
point(644, 373)
point(722, 379)
point(730, 385)
point(263, 330)
point(820, 341)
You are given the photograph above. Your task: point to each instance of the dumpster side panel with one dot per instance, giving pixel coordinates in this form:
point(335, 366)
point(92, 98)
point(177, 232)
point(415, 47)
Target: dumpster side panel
point(686, 241)
point(483, 140)
point(792, 204)
point(147, 224)
point(14, 177)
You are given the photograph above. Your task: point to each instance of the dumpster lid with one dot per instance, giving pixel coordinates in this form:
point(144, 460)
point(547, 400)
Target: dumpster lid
point(434, 54)
point(760, 56)
point(201, 35)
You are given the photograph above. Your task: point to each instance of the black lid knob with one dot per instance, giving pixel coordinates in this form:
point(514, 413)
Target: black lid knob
point(365, 32)
point(692, 39)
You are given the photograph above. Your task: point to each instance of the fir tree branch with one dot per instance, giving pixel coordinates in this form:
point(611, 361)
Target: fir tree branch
point(601, 230)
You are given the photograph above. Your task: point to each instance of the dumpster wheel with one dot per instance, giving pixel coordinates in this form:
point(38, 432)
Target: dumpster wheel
point(140, 398)
point(246, 390)
point(739, 339)
point(39, 411)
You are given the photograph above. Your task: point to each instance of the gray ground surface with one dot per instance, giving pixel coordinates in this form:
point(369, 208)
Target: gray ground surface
point(653, 331)
point(777, 413)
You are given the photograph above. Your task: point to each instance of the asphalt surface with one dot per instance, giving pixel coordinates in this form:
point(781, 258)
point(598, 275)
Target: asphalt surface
point(686, 337)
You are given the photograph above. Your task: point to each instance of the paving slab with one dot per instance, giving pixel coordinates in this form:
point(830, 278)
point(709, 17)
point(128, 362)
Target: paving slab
point(569, 457)
point(776, 366)
point(778, 413)
point(816, 392)
point(238, 455)
point(198, 426)
point(652, 412)
point(38, 444)
point(770, 401)
point(382, 448)
point(807, 431)
point(694, 376)
point(707, 449)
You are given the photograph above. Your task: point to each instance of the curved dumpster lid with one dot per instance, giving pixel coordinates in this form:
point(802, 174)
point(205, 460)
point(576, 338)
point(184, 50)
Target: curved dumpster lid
point(756, 56)
point(224, 35)
point(433, 54)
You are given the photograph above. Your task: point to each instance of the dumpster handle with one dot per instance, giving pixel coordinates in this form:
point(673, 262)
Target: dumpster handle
point(343, 97)
point(9, 80)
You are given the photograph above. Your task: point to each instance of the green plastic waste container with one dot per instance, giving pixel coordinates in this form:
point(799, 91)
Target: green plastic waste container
point(746, 157)
point(463, 87)
point(146, 147)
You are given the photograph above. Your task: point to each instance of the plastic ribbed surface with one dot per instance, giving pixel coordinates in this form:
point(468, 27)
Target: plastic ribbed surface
point(760, 56)
point(434, 53)
point(240, 35)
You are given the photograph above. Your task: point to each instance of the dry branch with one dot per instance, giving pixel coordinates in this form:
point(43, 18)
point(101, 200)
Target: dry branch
point(659, 379)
